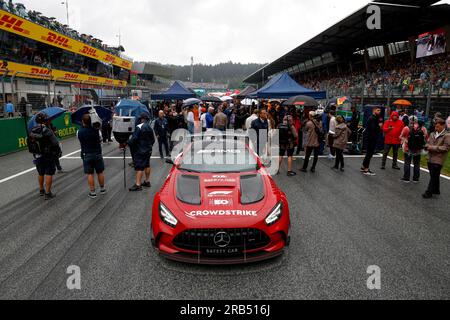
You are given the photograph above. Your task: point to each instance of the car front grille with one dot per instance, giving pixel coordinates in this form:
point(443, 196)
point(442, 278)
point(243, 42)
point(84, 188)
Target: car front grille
point(201, 239)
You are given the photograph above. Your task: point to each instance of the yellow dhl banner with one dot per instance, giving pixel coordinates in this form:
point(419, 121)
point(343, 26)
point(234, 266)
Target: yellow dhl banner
point(15, 24)
point(33, 72)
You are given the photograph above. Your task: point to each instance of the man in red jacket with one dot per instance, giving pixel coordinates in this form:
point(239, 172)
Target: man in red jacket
point(392, 131)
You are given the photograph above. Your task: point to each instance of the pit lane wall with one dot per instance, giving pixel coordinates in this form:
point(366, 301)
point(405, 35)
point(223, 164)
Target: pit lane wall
point(13, 132)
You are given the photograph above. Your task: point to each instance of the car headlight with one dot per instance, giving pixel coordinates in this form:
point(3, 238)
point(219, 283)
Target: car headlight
point(167, 216)
point(275, 214)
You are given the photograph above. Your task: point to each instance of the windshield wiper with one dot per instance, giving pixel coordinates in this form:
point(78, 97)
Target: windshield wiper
point(189, 170)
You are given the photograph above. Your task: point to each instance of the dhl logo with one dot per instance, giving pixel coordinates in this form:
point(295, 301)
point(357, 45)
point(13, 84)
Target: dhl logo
point(71, 76)
point(12, 23)
point(57, 40)
point(89, 51)
point(126, 64)
point(93, 79)
point(41, 71)
point(109, 81)
point(110, 58)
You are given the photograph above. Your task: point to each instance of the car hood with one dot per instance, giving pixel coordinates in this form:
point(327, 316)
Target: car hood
point(220, 200)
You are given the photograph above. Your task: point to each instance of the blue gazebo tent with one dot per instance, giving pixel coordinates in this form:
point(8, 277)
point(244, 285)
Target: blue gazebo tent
point(176, 92)
point(284, 87)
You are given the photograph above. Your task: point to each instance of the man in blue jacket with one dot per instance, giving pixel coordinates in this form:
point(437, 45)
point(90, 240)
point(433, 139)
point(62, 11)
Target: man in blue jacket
point(373, 132)
point(142, 141)
point(162, 132)
point(9, 108)
point(210, 118)
point(91, 153)
point(261, 127)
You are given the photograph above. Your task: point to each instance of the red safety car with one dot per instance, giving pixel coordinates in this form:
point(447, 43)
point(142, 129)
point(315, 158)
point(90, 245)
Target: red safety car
point(220, 206)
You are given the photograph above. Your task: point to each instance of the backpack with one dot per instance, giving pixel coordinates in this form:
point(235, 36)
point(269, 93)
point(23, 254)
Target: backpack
point(34, 146)
point(416, 140)
point(319, 132)
point(284, 133)
point(41, 145)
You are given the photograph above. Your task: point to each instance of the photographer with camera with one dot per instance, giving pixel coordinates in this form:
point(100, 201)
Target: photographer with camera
point(91, 153)
point(44, 146)
point(142, 142)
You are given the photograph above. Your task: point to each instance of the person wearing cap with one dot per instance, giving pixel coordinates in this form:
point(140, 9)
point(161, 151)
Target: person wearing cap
point(413, 140)
point(142, 140)
point(91, 154)
point(312, 130)
point(438, 147)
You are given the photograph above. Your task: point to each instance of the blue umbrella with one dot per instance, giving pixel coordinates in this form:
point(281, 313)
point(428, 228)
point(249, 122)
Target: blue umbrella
point(130, 108)
point(51, 113)
point(104, 114)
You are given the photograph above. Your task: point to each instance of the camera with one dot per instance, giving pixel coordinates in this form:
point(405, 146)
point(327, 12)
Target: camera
point(95, 119)
point(123, 128)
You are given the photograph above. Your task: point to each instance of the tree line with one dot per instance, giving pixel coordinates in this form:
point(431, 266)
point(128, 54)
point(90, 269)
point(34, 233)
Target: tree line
point(228, 73)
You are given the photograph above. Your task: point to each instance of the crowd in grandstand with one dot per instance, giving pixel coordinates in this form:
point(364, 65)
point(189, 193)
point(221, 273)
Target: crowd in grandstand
point(51, 23)
point(401, 77)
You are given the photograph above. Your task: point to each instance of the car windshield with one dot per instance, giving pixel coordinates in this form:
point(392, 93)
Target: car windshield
point(218, 157)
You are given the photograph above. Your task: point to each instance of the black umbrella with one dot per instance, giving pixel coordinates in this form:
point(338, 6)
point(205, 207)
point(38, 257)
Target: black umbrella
point(302, 101)
point(103, 113)
point(210, 99)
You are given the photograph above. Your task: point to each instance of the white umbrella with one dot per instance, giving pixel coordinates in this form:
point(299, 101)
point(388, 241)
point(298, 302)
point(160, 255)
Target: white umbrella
point(249, 102)
point(226, 98)
point(191, 102)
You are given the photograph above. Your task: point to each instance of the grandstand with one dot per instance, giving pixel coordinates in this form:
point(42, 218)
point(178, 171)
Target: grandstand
point(408, 57)
point(43, 62)
point(148, 78)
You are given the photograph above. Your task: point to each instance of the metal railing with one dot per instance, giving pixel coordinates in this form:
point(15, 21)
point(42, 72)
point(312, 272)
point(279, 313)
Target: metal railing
point(14, 90)
point(46, 90)
point(5, 74)
point(418, 90)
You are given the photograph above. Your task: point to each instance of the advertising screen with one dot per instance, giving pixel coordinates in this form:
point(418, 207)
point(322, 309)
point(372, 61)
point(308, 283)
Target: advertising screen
point(431, 43)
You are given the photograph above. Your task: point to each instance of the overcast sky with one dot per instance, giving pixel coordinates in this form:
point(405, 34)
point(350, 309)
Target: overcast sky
point(213, 31)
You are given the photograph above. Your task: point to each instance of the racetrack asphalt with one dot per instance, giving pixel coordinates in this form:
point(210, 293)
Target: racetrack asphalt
point(342, 223)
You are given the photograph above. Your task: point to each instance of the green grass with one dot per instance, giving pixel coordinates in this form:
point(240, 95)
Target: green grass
point(424, 164)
